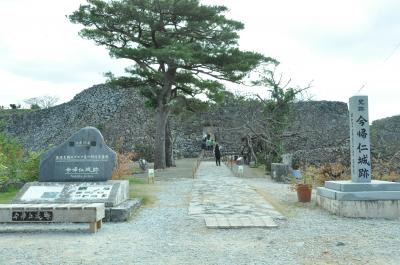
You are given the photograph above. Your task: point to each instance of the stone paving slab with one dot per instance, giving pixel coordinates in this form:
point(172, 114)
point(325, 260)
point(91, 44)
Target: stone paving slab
point(239, 222)
point(225, 201)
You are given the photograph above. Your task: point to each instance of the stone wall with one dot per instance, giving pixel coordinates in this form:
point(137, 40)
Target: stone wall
point(321, 130)
point(385, 137)
point(320, 127)
point(119, 114)
point(318, 124)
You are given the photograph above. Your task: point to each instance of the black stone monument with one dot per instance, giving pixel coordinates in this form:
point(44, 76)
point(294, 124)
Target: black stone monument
point(83, 157)
point(79, 171)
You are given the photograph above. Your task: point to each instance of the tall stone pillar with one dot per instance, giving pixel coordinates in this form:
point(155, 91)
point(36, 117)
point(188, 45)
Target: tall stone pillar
point(359, 140)
point(360, 197)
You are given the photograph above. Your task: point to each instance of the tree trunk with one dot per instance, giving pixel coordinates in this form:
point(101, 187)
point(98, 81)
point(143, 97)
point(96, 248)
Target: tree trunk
point(251, 149)
point(162, 111)
point(169, 155)
point(159, 149)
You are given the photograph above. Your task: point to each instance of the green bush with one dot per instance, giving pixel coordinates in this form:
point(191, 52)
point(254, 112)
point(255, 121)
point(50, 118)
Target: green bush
point(16, 165)
point(30, 167)
point(3, 168)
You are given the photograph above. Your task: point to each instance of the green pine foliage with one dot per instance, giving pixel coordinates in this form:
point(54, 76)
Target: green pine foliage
point(179, 49)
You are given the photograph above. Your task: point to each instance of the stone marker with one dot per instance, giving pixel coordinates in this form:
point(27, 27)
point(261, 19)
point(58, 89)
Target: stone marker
point(78, 171)
point(280, 172)
point(83, 157)
point(359, 139)
point(360, 197)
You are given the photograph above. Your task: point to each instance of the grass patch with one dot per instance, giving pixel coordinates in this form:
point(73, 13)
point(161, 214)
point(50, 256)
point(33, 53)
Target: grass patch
point(135, 181)
point(6, 197)
point(139, 188)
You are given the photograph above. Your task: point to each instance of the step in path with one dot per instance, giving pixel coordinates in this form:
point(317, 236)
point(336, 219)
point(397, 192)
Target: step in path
point(226, 201)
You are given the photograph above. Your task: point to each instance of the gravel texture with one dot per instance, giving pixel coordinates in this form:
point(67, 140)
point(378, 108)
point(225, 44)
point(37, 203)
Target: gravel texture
point(165, 234)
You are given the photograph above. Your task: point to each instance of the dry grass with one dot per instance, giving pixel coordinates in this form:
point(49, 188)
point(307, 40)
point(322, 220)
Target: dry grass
point(284, 208)
point(388, 170)
point(381, 170)
point(328, 171)
point(258, 172)
point(124, 166)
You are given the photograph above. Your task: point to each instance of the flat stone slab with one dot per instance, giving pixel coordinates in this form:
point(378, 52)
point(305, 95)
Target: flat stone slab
point(374, 185)
point(358, 195)
point(91, 213)
point(111, 193)
point(239, 222)
point(123, 211)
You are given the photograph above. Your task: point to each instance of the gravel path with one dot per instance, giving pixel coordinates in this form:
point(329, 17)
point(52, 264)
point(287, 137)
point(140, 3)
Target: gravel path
point(166, 234)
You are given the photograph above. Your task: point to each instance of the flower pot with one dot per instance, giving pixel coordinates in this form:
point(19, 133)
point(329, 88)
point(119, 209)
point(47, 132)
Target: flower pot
point(303, 192)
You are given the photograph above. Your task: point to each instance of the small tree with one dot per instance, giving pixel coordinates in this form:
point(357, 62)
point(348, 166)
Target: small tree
point(266, 125)
point(43, 102)
point(180, 48)
point(15, 106)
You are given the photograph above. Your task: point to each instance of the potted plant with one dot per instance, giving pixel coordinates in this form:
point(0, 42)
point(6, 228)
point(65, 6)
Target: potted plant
point(302, 185)
point(304, 189)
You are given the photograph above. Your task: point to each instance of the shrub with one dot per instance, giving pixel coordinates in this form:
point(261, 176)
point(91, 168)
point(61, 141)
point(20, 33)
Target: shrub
point(144, 151)
point(16, 166)
point(3, 168)
point(30, 167)
point(328, 171)
point(124, 166)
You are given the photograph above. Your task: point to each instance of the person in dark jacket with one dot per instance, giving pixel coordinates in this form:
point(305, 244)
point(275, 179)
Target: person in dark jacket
point(217, 154)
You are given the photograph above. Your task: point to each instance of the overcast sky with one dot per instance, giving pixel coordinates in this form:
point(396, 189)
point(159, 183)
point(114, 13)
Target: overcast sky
point(341, 45)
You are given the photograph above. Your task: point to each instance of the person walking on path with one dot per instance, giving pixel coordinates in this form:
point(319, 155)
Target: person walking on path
point(217, 154)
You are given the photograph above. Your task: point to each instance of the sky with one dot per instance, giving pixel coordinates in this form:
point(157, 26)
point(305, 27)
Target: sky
point(344, 47)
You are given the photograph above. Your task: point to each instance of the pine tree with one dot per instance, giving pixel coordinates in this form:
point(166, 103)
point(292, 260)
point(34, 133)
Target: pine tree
point(179, 48)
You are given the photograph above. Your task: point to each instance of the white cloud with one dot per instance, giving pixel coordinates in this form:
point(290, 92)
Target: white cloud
point(42, 54)
point(339, 44)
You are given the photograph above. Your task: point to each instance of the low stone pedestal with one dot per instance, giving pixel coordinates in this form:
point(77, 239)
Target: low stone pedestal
point(91, 213)
point(122, 212)
point(111, 193)
point(280, 172)
point(349, 199)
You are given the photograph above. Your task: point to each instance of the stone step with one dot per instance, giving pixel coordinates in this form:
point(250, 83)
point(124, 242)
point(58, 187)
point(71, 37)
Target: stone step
point(213, 221)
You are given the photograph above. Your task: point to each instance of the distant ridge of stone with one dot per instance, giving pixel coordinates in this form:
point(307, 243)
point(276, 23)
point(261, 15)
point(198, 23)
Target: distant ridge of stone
point(128, 125)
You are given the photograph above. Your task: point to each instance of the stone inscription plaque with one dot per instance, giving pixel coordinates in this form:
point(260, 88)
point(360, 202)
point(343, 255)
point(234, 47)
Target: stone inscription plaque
point(111, 192)
point(32, 216)
point(91, 192)
point(359, 140)
point(83, 157)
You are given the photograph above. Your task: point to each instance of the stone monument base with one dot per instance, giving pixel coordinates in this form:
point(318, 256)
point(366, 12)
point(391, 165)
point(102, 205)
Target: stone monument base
point(377, 199)
point(113, 193)
point(122, 212)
